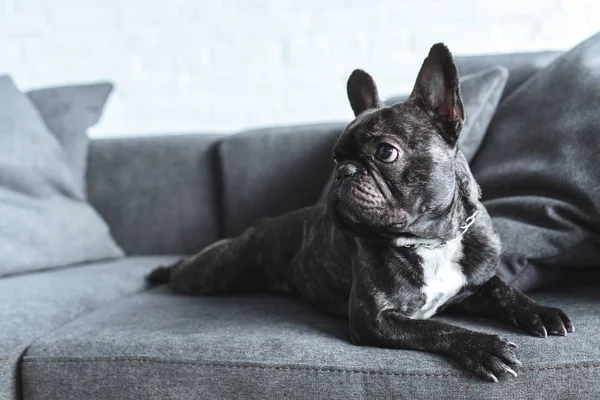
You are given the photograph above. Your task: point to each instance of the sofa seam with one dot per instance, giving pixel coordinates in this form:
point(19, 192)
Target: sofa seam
point(280, 367)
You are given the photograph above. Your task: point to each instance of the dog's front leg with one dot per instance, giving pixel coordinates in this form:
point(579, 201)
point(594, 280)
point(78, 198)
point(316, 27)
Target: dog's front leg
point(497, 298)
point(488, 356)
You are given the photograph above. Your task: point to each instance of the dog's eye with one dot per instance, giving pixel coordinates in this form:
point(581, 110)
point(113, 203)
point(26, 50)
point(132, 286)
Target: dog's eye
point(386, 153)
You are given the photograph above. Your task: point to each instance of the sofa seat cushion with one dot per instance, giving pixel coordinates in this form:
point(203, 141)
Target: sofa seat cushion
point(160, 345)
point(34, 304)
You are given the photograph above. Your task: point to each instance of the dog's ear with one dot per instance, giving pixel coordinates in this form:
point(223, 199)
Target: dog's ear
point(362, 92)
point(437, 89)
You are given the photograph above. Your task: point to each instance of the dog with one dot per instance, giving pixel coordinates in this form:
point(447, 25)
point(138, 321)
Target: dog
point(402, 237)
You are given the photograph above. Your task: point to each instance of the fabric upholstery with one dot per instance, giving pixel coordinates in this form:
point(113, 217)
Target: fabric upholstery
point(158, 194)
point(539, 172)
point(268, 172)
point(520, 66)
point(35, 304)
point(68, 112)
point(161, 345)
point(481, 95)
point(44, 218)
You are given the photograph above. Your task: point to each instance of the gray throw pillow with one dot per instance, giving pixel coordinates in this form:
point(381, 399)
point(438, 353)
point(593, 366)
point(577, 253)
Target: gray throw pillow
point(68, 112)
point(539, 170)
point(44, 219)
point(481, 93)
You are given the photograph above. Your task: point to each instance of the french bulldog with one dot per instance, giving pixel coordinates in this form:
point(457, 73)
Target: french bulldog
point(402, 237)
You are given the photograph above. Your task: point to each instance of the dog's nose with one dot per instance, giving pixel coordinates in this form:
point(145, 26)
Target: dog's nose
point(345, 170)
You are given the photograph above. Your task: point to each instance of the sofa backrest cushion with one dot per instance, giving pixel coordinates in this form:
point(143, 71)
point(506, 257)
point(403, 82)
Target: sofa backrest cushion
point(159, 194)
point(267, 172)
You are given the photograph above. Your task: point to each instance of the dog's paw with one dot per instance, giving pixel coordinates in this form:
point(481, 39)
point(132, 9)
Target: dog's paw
point(541, 320)
point(488, 356)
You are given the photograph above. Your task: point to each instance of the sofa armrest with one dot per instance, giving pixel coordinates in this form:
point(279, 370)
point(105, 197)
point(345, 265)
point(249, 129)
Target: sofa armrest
point(159, 194)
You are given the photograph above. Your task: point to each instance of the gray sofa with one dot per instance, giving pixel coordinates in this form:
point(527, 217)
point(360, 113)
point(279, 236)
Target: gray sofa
point(95, 331)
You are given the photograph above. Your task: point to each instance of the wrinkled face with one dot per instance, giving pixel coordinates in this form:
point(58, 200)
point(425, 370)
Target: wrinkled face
point(395, 172)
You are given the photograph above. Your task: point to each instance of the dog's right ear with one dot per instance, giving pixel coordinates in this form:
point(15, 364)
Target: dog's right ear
point(362, 92)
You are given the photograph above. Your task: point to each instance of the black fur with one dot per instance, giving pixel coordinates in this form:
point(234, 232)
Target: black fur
point(346, 257)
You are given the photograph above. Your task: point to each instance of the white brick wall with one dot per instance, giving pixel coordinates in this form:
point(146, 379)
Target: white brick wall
point(220, 65)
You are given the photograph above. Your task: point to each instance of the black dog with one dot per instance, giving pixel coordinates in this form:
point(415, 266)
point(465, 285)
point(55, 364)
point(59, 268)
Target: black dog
point(403, 235)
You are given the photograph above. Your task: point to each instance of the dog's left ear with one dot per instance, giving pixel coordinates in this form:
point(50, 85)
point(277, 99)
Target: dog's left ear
point(362, 92)
point(437, 89)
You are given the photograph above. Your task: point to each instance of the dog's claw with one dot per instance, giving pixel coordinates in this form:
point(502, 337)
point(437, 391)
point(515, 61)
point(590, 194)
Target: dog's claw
point(562, 331)
point(542, 321)
point(513, 345)
point(519, 363)
point(510, 371)
point(488, 356)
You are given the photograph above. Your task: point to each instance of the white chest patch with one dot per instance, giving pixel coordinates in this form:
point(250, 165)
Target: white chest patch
point(443, 276)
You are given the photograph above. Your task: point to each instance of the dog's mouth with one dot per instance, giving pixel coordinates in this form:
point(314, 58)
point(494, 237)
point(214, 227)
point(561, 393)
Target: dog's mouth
point(400, 229)
point(347, 219)
point(362, 202)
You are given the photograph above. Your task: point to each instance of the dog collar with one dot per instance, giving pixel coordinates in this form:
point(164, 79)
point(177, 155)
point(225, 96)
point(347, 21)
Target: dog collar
point(433, 243)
